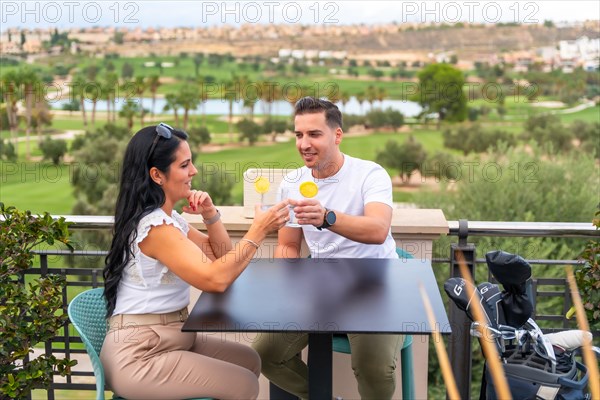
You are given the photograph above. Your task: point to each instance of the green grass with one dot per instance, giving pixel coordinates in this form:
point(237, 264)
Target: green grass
point(403, 197)
point(590, 115)
point(37, 187)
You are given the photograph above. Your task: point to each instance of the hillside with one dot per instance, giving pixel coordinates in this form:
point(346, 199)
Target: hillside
point(469, 42)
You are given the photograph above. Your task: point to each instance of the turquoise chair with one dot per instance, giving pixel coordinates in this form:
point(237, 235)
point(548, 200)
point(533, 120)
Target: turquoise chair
point(87, 312)
point(341, 344)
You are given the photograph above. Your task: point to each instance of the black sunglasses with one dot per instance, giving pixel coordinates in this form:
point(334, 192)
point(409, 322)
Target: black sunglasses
point(163, 130)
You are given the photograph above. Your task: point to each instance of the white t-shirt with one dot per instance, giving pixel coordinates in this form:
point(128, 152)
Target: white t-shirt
point(147, 285)
point(357, 183)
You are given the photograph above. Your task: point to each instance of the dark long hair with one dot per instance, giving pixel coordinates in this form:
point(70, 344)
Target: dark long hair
point(138, 196)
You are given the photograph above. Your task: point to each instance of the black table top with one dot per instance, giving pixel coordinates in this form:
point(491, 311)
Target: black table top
point(324, 296)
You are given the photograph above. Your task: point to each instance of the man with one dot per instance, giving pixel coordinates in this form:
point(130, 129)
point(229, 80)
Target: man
point(350, 217)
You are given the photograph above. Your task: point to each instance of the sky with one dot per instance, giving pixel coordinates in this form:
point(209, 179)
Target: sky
point(163, 13)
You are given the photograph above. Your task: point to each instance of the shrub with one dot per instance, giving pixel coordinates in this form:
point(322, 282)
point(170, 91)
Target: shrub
point(7, 151)
point(53, 150)
point(198, 136)
point(406, 158)
point(249, 130)
point(588, 278)
point(29, 313)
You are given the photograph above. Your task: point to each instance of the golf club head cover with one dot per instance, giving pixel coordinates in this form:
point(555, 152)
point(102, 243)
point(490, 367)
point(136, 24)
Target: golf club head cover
point(512, 271)
point(491, 300)
point(456, 289)
point(570, 340)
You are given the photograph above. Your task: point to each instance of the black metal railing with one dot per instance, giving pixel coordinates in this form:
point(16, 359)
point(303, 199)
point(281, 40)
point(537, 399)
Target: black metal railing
point(67, 343)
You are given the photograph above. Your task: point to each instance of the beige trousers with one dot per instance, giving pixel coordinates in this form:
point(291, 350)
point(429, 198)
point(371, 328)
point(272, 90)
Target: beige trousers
point(161, 362)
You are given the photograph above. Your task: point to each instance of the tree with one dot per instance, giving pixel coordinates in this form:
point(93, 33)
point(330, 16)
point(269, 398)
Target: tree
point(153, 82)
point(542, 121)
point(188, 100)
point(172, 103)
point(249, 130)
point(129, 111)
point(371, 95)
point(198, 60)
point(381, 94)
point(109, 87)
point(11, 82)
point(274, 127)
point(109, 65)
point(584, 131)
point(473, 113)
point(78, 94)
point(40, 116)
point(218, 184)
point(533, 187)
point(441, 91)
point(31, 313)
point(93, 89)
point(472, 138)
point(118, 37)
point(501, 109)
point(378, 118)
point(127, 71)
point(229, 92)
point(441, 166)
point(270, 91)
point(71, 106)
point(198, 137)
point(406, 158)
point(522, 184)
point(395, 118)
point(547, 130)
point(344, 98)
point(31, 86)
point(53, 150)
point(7, 151)
point(95, 168)
point(361, 97)
point(202, 97)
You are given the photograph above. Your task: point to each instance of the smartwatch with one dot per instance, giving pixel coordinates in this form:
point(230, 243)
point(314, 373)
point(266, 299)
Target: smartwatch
point(328, 219)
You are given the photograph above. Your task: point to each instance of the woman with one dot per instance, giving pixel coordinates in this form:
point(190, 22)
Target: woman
point(154, 257)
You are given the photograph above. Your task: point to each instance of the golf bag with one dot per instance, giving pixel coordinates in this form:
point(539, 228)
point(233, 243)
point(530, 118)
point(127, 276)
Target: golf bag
point(536, 366)
point(530, 376)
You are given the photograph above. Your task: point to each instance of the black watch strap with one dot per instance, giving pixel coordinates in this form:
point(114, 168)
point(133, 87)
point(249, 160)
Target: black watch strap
point(325, 223)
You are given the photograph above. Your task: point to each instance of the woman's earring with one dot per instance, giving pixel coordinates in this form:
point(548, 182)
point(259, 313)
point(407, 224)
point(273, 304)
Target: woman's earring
point(160, 183)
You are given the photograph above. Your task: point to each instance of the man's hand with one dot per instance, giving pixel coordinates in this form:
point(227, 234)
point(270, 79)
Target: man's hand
point(309, 212)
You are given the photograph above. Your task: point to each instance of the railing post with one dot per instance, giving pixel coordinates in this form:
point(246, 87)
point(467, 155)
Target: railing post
point(460, 339)
point(48, 343)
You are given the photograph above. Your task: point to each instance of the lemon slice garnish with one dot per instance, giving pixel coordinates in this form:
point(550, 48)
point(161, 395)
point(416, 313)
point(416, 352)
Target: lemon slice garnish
point(262, 185)
point(309, 189)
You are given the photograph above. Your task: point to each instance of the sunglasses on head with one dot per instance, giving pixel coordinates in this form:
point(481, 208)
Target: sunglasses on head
point(162, 130)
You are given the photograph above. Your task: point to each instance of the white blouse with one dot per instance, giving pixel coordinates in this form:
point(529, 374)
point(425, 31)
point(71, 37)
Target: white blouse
point(147, 285)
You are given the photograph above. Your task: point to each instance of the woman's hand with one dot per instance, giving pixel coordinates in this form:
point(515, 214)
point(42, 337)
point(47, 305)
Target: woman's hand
point(199, 202)
point(272, 219)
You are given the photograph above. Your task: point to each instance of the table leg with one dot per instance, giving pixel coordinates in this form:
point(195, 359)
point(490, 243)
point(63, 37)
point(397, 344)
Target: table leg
point(320, 373)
